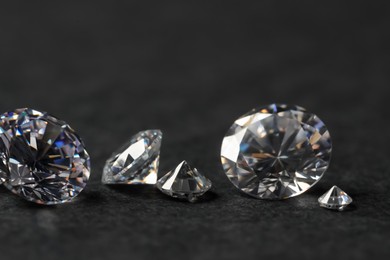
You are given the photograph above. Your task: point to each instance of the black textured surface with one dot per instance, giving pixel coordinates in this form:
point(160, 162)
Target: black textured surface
point(112, 69)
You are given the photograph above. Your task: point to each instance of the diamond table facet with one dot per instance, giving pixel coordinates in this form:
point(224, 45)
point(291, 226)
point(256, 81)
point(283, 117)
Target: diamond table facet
point(184, 182)
point(136, 162)
point(43, 159)
point(276, 151)
point(335, 199)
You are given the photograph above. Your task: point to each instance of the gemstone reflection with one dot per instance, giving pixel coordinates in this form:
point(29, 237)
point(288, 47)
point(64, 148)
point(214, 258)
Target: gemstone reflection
point(276, 151)
point(43, 159)
point(335, 199)
point(136, 162)
point(184, 182)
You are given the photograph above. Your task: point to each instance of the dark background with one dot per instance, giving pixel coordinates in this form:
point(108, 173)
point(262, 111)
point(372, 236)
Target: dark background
point(190, 68)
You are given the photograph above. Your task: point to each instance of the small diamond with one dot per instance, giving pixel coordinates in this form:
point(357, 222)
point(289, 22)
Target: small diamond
point(136, 162)
point(184, 182)
point(335, 198)
point(42, 159)
point(276, 152)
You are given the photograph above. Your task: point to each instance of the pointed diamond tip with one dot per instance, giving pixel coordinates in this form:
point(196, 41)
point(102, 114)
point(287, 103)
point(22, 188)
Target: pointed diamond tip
point(335, 199)
point(157, 131)
point(184, 162)
point(184, 182)
point(151, 133)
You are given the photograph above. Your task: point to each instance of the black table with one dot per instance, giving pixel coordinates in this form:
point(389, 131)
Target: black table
point(190, 69)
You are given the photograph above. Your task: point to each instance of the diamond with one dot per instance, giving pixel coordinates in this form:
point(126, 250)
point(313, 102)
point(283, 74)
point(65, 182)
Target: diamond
point(335, 199)
point(184, 182)
point(276, 152)
point(42, 158)
point(136, 162)
point(4, 148)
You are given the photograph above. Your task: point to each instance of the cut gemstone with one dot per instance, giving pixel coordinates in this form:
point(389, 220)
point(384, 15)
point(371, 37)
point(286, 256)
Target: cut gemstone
point(136, 162)
point(276, 152)
point(184, 182)
point(43, 159)
point(335, 199)
point(4, 151)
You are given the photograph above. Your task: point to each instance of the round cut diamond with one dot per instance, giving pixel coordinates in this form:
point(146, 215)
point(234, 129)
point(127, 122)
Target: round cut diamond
point(184, 182)
point(136, 162)
point(335, 198)
point(44, 160)
point(276, 152)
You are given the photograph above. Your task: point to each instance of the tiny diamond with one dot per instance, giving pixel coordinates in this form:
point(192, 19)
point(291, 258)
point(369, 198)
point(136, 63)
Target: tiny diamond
point(184, 182)
point(42, 159)
point(335, 199)
point(276, 152)
point(136, 162)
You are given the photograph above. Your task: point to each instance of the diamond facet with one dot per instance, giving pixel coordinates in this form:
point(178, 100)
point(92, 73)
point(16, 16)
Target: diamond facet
point(136, 162)
point(43, 159)
point(335, 199)
point(276, 152)
point(184, 182)
point(4, 151)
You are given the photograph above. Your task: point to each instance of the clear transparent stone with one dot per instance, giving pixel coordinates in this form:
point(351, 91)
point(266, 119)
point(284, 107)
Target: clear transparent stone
point(335, 199)
point(184, 182)
point(276, 151)
point(4, 148)
point(136, 162)
point(42, 159)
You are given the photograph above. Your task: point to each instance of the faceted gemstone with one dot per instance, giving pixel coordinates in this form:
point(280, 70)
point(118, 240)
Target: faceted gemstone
point(136, 162)
point(4, 148)
point(184, 182)
point(335, 199)
point(276, 152)
point(43, 160)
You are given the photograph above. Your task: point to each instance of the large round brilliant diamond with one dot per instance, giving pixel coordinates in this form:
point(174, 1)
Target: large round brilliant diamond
point(44, 159)
point(276, 152)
